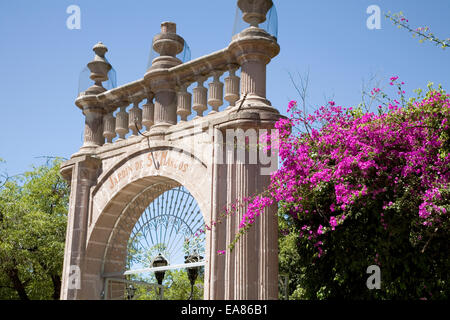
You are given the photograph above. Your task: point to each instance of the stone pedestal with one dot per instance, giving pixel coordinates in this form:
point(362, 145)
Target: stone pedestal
point(254, 48)
point(82, 173)
point(250, 271)
point(93, 130)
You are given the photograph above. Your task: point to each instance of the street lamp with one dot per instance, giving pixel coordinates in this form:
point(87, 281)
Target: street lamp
point(192, 272)
point(130, 291)
point(159, 261)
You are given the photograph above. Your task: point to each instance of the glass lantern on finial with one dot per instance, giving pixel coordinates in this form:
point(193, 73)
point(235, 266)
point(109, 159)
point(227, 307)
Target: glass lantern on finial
point(168, 48)
point(256, 13)
point(99, 75)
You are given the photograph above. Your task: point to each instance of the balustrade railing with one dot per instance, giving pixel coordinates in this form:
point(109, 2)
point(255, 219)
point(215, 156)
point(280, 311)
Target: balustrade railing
point(172, 92)
point(118, 123)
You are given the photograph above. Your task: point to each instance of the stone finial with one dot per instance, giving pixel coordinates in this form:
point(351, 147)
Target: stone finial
point(168, 43)
point(99, 68)
point(254, 11)
point(168, 27)
point(100, 49)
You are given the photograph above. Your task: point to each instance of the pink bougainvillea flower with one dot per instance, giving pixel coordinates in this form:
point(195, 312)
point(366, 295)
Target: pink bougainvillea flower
point(359, 159)
point(292, 104)
point(333, 223)
point(320, 230)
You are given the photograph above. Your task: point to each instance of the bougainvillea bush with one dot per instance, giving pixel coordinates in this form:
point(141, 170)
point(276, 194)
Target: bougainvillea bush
point(357, 189)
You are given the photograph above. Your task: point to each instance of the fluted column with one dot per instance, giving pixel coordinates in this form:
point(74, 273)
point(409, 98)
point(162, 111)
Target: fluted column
point(253, 49)
point(81, 173)
point(168, 44)
point(267, 225)
point(251, 269)
point(165, 108)
point(215, 272)
point(230, 258)
point(253, 79)
point(247, 255)
point(93, 129)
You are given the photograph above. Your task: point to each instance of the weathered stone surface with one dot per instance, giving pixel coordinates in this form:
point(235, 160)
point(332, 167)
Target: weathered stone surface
point(106, 178)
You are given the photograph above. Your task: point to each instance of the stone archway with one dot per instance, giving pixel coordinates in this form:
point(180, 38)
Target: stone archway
point(111, 168)
point(115, 190)
point(121, 185)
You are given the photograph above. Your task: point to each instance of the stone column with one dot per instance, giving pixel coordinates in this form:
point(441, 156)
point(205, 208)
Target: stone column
point(93, 129)
point(251, 269)
point(165, 108)
point(215, 271)
point(267, 225)
point(87, 100)
point(82, 173)
point(230, 224)
point(253, 49)
point(247, 256)
point(168, 44)
point(253, 78)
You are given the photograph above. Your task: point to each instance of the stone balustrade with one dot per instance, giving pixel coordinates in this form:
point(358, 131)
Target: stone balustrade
point(208, 93)
point(172, 91)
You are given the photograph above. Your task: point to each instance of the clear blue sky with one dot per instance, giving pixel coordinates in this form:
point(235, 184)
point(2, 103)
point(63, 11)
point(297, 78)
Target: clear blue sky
point(40, 59)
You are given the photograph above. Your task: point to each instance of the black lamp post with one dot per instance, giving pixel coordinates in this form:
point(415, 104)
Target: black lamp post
point(159, 261)
point(192, 272)
point(130, 291)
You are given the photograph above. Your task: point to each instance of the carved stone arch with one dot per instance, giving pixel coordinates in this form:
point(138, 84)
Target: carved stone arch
point(112, 167)
point(110, 201)
point(133, 173)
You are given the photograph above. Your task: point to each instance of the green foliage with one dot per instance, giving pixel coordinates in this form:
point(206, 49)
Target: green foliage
point(289, 258)
point(33, 217)
point(414, 263)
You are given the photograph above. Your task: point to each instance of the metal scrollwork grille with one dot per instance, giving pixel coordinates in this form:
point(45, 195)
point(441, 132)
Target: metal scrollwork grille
point(169, 225)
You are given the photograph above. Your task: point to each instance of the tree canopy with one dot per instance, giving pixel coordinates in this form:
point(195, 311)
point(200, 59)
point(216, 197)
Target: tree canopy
point(33, 217)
